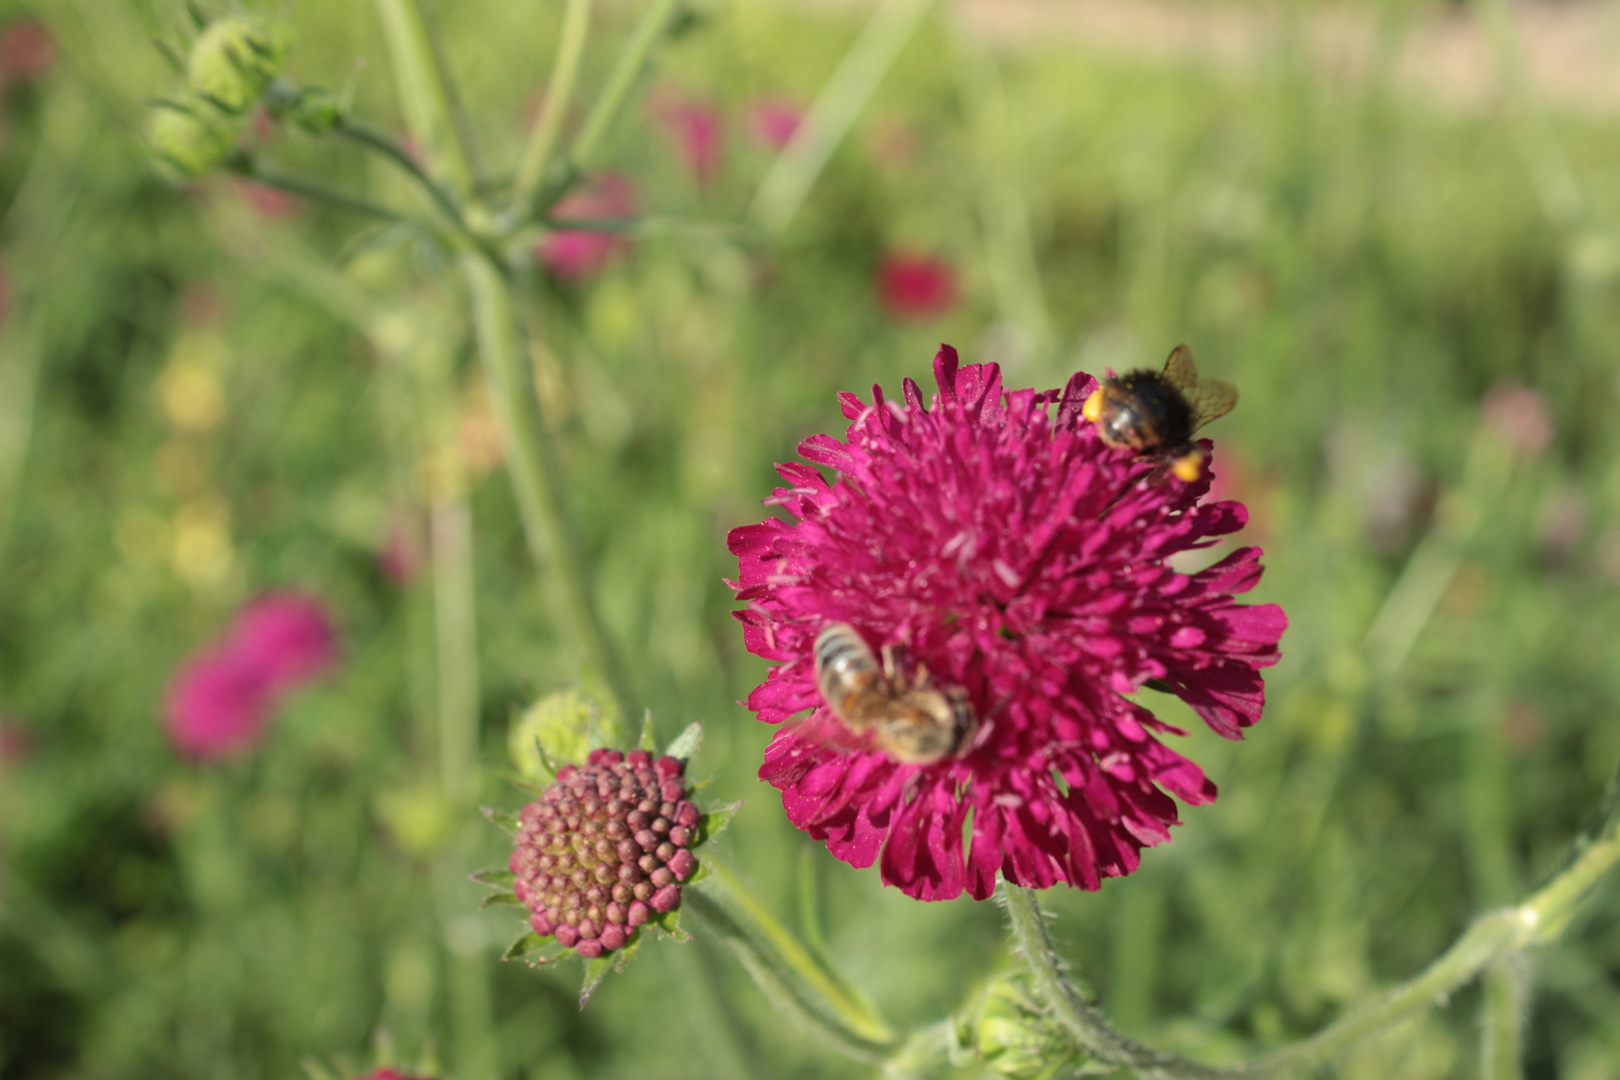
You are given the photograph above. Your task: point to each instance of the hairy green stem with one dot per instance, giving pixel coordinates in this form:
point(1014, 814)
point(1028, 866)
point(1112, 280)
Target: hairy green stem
point(314, 192)
point(777, 959)
point(440, 199)
point(1507, 997)
point(454, 618)
point(532, 465)
point(829, 119)
point(610, 102)
point(422, 94)
point(783, 983)
point(559, 95)
point(1495, 937)
point(1082, 1020)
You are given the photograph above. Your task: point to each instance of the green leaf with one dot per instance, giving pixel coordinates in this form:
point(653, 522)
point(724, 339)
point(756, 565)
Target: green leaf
point(595, 971)
point(498, 879)
point(686, 743)
point(501, 899)
point(534, 949)
point(506, 821)
point(713, 821)
point(649, 738)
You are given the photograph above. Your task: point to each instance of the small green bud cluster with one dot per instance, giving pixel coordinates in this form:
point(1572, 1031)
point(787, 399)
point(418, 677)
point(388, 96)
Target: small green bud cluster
point(1013, 1036)
point(605, 848)
point(230, 66)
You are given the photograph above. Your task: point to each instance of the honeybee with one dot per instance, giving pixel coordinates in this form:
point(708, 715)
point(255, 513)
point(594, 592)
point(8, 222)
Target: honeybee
point(907, 716)
point(1156, 413)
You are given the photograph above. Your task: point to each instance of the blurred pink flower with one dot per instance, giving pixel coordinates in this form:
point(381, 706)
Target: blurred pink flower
point(400, 556)
point(288, 636)
point(218, 704)
point(27, 51)
point(269, 202)
point(15, 743)
point(694, 126)
point(1517, 414)
point(578, 253)
point(772, 121)
point(914, 286)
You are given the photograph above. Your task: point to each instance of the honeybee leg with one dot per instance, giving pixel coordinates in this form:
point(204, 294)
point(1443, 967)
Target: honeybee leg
point(891, 665)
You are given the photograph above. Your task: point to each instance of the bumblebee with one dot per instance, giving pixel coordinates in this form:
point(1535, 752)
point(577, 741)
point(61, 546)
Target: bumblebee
point(1156, 413)
point(904, 713)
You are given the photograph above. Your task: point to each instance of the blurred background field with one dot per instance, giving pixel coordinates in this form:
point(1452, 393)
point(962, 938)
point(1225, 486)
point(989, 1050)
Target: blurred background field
point(211, 391)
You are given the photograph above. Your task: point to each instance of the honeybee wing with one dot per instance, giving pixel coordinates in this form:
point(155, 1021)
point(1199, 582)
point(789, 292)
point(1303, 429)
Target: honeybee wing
point(824, 729)
point(1211, 398)
point(1180, 371)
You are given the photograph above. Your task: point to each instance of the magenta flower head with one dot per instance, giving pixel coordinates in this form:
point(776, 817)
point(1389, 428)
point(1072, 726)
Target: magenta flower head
point(219, 704)
point(288, 636)
point(1011, 569)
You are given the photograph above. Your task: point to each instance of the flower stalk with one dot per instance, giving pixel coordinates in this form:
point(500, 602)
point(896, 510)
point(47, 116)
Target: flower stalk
point(1496, 939)
point(559, 95)
point(626, 73)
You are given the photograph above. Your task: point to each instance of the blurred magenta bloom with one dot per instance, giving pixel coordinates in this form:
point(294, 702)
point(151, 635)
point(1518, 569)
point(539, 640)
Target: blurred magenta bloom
point(219, 704)
point(1024, 563)
point(27, 51)
point(911, 286)
point(269, 202)
point(288, 636)
point(400, 556)
point(579, 253)
point(15, 743)
point(1517, 414)
point(223, 696)
point(773, 121)
point(695, 129)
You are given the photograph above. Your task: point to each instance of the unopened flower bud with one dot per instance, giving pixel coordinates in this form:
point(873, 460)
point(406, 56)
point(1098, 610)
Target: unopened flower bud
point(1014, 1037)
point(188, 138)
point(586, 889)
point(234, 59)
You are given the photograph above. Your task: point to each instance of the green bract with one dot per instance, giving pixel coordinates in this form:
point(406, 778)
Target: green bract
point(188, 137)
point(234, 59)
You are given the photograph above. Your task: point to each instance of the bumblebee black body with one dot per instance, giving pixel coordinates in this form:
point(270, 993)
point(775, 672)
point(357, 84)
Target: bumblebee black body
point(1141, 410)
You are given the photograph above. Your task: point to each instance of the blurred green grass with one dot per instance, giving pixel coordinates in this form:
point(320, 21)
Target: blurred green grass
point(1364, 266)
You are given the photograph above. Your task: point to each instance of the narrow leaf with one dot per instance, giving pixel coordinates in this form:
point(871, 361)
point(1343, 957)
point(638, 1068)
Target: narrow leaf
point(499, 879)
point(649, 739)
point(595, 971)
point(686, 743)
point(317, 1071)
point(501, 899)
point(506, 821)
point(713, 821)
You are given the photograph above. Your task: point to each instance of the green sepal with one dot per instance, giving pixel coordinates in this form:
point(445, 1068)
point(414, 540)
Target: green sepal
point(595, 971)
point(176, 62)
point(545, 759)
point(534, 949)
point(500, 899)
point(670, 923)
point(686, 743)
point(713, 821)
point(317, 1071)
point(649, 738)
point(506, 821)
point(495, 879)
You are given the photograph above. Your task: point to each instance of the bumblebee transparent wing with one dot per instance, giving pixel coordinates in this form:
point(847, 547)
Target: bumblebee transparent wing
point(1180, 371)
point(1211, 398)
point(824, 729)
